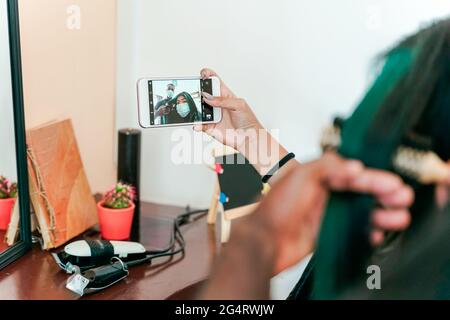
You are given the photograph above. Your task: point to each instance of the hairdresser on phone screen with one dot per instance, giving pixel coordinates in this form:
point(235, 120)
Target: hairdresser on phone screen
point(284, 228)
point(162, 108)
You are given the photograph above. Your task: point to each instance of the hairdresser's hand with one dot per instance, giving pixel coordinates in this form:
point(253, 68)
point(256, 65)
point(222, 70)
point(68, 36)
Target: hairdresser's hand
point(164, 110)
point(291, 214)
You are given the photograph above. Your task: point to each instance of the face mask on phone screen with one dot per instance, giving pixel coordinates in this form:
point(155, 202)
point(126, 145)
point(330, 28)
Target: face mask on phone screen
point(183, 110)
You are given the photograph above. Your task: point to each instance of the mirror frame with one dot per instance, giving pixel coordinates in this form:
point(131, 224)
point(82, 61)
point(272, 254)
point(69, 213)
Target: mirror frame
point(24, 243)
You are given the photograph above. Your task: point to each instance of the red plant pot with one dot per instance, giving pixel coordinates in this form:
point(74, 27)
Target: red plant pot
point(115, 224)
point(6, 208)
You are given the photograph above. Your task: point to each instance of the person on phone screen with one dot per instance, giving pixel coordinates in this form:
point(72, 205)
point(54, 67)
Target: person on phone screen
point(161, 107)
point(185, 110)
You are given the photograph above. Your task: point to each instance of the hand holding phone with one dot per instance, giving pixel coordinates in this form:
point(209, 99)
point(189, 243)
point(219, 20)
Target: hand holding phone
point(165, 102)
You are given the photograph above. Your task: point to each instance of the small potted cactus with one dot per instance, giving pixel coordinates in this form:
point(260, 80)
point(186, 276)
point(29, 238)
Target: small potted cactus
point(8, 195)
point(115, 212)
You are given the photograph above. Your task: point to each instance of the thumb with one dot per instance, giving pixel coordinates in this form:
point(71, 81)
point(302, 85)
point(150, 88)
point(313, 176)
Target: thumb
point(337, 172)
point(198, 128)
point(206, 128)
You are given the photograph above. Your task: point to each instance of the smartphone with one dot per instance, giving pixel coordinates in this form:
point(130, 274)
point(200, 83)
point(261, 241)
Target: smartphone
point(168, 102)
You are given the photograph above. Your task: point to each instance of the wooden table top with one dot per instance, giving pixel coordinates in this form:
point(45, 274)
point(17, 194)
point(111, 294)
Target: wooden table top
point(36, 276)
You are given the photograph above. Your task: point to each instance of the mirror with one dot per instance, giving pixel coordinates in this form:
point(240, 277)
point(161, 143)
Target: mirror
point(8, 168)
point(15, 237)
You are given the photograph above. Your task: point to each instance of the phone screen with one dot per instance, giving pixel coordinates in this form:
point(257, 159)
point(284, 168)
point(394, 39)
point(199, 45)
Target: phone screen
point(179, 101)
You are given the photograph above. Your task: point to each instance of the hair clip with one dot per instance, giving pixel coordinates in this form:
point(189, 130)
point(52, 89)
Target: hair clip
point(331, 138)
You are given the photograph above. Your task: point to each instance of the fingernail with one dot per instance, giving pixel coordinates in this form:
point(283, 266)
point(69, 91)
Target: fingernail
point(207, 96)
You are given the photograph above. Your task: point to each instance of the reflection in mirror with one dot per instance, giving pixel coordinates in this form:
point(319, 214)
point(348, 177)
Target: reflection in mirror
point(8, 169)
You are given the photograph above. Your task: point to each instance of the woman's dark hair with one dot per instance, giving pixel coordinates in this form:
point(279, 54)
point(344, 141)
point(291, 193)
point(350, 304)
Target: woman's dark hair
point(422, 100)
point(408, 104)
point(416, 112)
point(423, 95)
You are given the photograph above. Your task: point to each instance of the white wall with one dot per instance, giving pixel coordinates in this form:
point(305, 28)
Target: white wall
point(297, 63)
point(7, 140)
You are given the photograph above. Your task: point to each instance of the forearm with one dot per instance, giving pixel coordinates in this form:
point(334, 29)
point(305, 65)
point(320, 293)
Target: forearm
point(264, 152)
point(244, 269)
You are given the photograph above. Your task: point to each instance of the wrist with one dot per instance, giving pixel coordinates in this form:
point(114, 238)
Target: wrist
point(251, 250)
point(255, 237)
point(260, 148)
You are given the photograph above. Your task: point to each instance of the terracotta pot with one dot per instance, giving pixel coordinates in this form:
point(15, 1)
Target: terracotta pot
point(6, 208)
point(115, 224)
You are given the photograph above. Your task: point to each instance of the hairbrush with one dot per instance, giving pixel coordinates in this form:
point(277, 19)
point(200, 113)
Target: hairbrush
point(423, 166)
point(426, 167)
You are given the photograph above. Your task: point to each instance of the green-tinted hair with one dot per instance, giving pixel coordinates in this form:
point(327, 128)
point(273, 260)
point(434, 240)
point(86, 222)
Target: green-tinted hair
point(410, 97)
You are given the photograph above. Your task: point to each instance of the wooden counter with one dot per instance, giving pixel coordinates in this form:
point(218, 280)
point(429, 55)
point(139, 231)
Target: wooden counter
point(36, 275)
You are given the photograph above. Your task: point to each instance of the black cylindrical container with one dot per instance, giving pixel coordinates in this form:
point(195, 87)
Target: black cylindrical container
point(129, 167)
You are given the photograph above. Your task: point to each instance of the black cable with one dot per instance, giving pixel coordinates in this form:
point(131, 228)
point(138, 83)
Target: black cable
point(182, 220)
point(176, 239)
